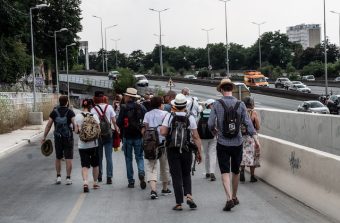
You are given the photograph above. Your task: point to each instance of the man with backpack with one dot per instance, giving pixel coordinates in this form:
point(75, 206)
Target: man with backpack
point(179, 128)
point(62, 117)
point(208, 140)
point(107, 116)
point(130, 120)
point(153, 145)
point(193, 107)
point(225, 120)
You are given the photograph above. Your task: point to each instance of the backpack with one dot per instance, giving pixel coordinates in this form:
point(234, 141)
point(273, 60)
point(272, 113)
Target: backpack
point(61, 126)
point(90, 129)
point(202, 126)
point(105, 125)
point(151, 143)
point(179, 134)
point(231, 121)
point(133, 120)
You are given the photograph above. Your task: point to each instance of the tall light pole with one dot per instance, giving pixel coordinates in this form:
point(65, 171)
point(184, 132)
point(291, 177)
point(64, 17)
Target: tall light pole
point(207, 30)
point(106, 28)
point(116, 40)
point(101, 33)
point(56, 55)
point(32, 46)
point(338, 13)
point(259, 27)
point(226, 34)
point(68, 83)
point(325, 46)
point(160, 37)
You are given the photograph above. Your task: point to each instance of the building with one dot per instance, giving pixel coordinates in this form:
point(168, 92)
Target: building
point(308, 35)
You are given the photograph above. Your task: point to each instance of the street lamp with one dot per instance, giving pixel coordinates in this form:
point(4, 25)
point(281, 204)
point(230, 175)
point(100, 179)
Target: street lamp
point(207, 30)
point(325, 46)
point(116, 40)
point(68, 83)
point(338, 13)
point(101, 33)
point(259, 26)
point(106, 28)
point(56, 55)
point(32, 46)
point(160, 37)
point(226, 34)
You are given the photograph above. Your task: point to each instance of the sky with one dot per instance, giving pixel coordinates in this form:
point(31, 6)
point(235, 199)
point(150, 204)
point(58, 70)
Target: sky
point(182, 24)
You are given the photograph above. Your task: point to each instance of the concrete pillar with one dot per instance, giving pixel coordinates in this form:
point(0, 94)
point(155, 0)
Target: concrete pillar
point(87, 63)
point(35, 118)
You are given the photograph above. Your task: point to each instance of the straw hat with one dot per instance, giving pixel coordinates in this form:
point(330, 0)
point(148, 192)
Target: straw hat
point(223, 82)
point(47, 148)
point(132, 92)
point(179, 101)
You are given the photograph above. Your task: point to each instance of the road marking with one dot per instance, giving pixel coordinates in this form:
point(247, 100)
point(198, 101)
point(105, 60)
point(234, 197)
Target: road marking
point(73, 214)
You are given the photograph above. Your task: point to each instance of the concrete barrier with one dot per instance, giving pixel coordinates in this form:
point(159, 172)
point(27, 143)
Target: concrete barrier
point(317, 131)
point(306, 174)
point(35, 118)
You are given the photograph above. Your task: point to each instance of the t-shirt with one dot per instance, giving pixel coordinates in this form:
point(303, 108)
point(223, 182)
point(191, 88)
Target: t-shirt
point(168, 118)
point(193, 107)
point(110, 113)
point(79, 120)
point(62, 110)
point(155, 118)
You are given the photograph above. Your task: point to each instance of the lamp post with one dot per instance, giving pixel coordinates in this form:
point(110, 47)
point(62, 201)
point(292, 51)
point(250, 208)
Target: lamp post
point(160, 37)
point(226, 34)
point(116, 40)
point(56, 55)
point(106, 28)
point(32, 48)
point(68, 83)
point(325, 46)
point(259, 26)
point(207, 30)
point(338, 13)
point(101, 33)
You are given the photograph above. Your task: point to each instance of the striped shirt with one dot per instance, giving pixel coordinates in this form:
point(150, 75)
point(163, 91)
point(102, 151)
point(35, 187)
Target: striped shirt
point(218, 113)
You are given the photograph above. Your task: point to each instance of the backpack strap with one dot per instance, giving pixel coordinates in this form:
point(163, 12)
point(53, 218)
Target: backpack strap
point(237, 105)
point(223, 104)
point(192, 104)
point(99, 114)
point(58, 113)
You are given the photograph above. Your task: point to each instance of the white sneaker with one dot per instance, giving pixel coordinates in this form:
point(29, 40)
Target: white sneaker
point(68, 181)
point(58, 181)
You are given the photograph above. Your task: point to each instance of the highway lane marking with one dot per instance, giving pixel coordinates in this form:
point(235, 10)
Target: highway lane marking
point(73, 214)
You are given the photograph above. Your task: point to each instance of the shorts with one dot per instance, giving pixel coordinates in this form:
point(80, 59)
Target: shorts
point(89, 157)
point(227, 155)
point(63, 148)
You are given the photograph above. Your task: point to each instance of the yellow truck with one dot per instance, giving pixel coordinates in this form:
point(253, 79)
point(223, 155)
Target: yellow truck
point(255, 79)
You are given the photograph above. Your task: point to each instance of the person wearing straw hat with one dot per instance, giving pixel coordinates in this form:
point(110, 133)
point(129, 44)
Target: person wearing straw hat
point(130, 120)
point(229, 138)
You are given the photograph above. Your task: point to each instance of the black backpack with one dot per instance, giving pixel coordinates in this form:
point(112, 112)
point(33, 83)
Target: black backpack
point(202, 126)
point(133, 120)
point(231, 120)
point(61, 126)
point(179, 133)
point(105, 125)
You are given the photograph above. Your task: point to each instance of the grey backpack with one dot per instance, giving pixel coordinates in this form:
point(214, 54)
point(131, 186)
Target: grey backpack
point(61, 126)
point(179, 133)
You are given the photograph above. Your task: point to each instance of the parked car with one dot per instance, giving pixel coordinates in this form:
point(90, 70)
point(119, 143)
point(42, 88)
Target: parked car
point(113, 75)
point(141, 80)
point(300, 88)
point(280, 82)
point(333, 104)
point(190, 76)
point(313, 107)
point(337, 79)
point(308, 78)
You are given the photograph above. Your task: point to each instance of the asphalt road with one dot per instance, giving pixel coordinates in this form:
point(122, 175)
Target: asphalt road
point(28, 194)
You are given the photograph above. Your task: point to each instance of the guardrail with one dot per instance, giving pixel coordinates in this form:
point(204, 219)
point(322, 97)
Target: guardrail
point(87, 81)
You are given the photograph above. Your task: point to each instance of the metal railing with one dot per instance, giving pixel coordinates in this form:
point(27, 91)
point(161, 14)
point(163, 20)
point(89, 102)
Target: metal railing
point(87, 81)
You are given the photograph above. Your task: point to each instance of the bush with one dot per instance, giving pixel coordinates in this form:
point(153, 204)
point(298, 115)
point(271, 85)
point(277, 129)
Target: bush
point(203, 74)
point(182, 71)
point(10, 120)
point(315, 68)
point(125, 80)
point(77, 67)
point(267, 70)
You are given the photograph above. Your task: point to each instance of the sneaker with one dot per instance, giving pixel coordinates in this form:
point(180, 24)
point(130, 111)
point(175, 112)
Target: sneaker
point(212, 177)
point(109, 180)
point(253, 179)
point(166, 192)
point(207, 175)
point(236, 201)
point(242, 178)
point(68, 181)
point(86, 188)
point(229, 205)
point(153, 195)
point(131, 185)
point(142, 181)
point(58, 181)
point(191, 203)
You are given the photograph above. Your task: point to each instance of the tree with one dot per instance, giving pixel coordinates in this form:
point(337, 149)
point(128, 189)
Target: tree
point(315, 68)
point(125, 80)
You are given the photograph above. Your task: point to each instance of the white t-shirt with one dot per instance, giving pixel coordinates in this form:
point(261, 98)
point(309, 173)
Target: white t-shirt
point(167, 120)
point(155, 118)
point(193, 108)
point(110, 113)
point(79, 120)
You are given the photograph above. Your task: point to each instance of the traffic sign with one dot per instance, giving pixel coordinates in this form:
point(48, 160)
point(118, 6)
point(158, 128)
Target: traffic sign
point(170, 83)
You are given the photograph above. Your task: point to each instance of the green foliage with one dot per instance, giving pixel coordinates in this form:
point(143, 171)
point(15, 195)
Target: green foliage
point(77, 67)
point(267, 70)
point(125, 80)
point(315, 68)
point(158, 91)
point(182, 71)
point(277, 72)
point(203, 74)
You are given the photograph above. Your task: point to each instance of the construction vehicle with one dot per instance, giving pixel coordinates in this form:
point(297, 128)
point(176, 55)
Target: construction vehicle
point(253, 78)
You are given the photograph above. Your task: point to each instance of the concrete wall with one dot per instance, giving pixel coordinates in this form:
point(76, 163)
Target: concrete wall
point(321, 132)
point(308, 175)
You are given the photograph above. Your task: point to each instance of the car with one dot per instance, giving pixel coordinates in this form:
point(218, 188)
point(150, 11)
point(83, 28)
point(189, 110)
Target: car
point(141, 80)
point(308, 78)
point(337, 79)
point(300, 88)
point(313, 107)
point(280, 82)
point(190, 76)
point(113, 75)
point(333, 104)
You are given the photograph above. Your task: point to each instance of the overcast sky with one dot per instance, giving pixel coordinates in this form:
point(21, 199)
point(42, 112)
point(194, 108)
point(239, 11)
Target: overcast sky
point(183, 22)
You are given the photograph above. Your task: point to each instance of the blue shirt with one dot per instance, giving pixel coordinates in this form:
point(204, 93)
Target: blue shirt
point(217, 116)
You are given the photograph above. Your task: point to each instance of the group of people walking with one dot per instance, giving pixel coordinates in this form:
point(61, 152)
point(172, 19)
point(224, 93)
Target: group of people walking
point(165, 132)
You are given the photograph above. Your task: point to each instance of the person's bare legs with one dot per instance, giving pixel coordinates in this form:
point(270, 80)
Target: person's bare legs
point(252, 170)
point(95, 173)
point(235, 181)
point(226, 185)
point(68, 167)
point(58, 166)
point(84, 174)
point(153, 185)
point(165, 185)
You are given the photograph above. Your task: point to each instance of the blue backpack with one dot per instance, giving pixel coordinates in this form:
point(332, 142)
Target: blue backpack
point(61, 127)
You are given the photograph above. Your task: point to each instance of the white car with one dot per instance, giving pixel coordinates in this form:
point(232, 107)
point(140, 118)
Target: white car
point(337, 79)
point(141, 80)
point(190, 76)
point(308, 78)
point(113, 75)
point(300, 87)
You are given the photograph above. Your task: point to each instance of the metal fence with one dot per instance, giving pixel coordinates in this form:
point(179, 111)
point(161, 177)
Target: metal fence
point(86, 81)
